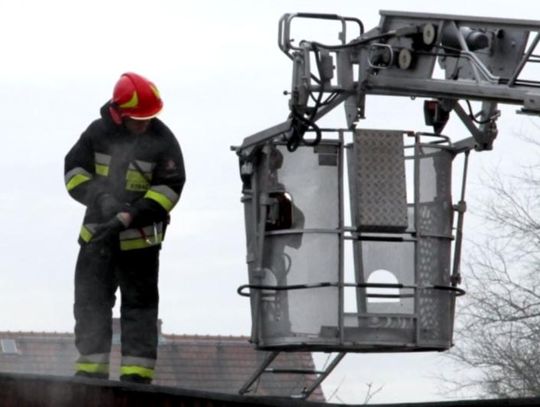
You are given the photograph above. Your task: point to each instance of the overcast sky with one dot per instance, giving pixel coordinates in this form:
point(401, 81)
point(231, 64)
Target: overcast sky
point(222, 78)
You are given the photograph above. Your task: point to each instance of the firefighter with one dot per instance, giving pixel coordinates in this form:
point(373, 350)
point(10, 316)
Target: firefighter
point(127, 169)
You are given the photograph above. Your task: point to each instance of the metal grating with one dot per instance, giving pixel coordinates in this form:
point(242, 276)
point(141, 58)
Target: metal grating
point(377, 179)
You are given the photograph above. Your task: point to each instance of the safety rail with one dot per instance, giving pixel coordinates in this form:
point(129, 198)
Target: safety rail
point(284, 31)
point(241, 290)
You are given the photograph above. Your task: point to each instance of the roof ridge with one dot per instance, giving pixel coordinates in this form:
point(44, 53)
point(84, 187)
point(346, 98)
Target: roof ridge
point(48, 333)
point(230, 337)
point(207, 336)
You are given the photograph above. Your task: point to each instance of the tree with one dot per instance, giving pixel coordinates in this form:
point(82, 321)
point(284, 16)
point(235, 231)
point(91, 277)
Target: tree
point(498, 323)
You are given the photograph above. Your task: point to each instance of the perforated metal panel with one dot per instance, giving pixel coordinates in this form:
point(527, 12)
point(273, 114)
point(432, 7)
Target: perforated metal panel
point(435, 307)
point(377, 180)
point(307, 252)
point(409, 244)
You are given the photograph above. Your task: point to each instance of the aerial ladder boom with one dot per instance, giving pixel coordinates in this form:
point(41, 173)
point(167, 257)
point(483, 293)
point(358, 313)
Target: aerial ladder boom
point(480, 59)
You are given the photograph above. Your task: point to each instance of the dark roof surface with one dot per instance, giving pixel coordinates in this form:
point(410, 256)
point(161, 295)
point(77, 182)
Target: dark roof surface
point(55, 391)
point(206, 363)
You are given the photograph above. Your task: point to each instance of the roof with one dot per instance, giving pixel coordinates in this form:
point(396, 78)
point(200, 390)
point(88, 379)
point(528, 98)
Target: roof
point(206, 363)
point(54, 391)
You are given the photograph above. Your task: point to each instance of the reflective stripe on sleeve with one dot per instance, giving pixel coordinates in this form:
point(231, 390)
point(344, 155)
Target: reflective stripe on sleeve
point(76, 177)
point(87, 231)
point(163, 195)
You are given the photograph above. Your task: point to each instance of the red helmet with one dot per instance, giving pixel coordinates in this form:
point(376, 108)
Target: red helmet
point(136, 97)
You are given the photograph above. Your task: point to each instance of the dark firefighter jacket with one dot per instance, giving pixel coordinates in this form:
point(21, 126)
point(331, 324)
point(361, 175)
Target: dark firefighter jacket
point(143, 172)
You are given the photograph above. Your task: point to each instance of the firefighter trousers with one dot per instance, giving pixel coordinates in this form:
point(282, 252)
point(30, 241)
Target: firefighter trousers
point(101, 269)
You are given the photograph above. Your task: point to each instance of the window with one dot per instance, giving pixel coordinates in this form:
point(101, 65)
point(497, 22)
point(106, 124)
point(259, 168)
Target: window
point(9, 346)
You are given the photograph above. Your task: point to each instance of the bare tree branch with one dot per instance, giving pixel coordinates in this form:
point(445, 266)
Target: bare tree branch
point(498, 328)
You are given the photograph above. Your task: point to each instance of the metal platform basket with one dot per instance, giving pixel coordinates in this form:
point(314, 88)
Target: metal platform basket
point(401, 240)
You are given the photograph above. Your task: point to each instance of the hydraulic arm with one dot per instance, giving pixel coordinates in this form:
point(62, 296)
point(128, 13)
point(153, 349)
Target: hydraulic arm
point(450, 60)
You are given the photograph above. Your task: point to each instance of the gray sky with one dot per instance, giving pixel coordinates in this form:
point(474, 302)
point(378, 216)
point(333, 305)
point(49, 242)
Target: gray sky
point(221, 76)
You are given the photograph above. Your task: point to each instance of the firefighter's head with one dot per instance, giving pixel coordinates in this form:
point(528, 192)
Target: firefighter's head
point(135, 102)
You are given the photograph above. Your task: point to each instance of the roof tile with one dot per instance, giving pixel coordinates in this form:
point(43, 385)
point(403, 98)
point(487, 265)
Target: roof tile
point(198, 362)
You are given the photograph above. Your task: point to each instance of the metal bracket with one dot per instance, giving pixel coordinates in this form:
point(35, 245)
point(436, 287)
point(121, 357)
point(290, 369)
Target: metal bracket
point(485, 134)
point(307, 391)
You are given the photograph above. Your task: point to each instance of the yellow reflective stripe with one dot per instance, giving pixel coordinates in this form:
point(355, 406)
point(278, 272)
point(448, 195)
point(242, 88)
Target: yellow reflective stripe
point(136, 233)
point(161, 199)
point(135, 181)
point(76, 176)
point(133, 102)
point(102, 169)
point(138, 370)
point(92, 367)
point(77, 180)
point(85, 234)
point(141, 243)
point(138, 361)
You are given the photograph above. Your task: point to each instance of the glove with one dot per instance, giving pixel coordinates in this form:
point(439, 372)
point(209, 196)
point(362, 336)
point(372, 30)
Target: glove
point(108, 205)
point(108, 230)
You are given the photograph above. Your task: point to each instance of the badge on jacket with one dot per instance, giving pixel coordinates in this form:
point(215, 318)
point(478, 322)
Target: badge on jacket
point(170, 165)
